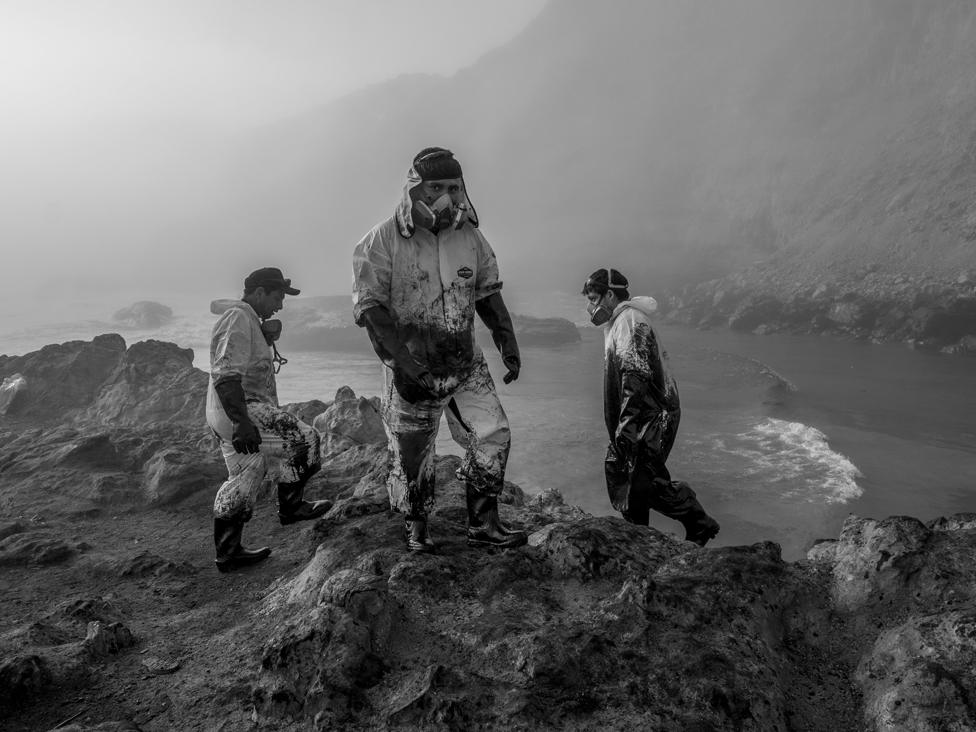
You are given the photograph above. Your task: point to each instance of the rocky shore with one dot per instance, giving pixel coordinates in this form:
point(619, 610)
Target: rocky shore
point(926, 313)
point(115, 619)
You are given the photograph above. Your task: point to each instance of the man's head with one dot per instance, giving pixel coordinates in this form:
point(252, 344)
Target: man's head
point(265, 290)
point(439, 194)
point(604, 290)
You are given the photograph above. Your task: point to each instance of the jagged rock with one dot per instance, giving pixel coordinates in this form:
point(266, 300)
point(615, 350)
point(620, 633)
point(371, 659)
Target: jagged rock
point(174, 474)
point(11, 388)
point(351, 421)
point(154, 383)
point(143, 314)
point(920, 675)
point(326, 658)
point(103, 639)
point(603, 547)
point(307, 411)
point(62, 377)
point(113, 726)
point(874, 558)
point(956, 522)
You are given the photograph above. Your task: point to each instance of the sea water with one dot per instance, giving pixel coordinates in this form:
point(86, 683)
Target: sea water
point(781, 436)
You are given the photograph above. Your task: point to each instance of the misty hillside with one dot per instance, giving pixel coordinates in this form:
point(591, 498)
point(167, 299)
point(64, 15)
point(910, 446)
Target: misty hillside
point(678, 140)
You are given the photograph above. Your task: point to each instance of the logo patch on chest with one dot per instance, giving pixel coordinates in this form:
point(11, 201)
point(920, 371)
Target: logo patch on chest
point(465, 273)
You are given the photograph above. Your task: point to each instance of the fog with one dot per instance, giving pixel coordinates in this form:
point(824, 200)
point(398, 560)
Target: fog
point(161, 150)
point(123, 121)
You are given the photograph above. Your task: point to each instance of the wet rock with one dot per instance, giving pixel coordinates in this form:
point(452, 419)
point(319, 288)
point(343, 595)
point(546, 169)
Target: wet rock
point(603, 547)
point(103, 639)
point(873, 558)
point(143, 314)
point(919, 675)
point(351, 421)
point(174, 474)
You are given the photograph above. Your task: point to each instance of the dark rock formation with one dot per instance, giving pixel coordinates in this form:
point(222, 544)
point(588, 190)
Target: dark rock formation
point(596, 623)
point(143, 314)
point(931, 314)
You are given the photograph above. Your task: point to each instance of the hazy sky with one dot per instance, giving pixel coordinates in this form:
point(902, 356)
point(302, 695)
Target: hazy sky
point(108, 109)
point(66, 62)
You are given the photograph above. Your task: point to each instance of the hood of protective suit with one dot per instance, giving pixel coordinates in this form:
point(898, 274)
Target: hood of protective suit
point(644, 303)
point(404, 211)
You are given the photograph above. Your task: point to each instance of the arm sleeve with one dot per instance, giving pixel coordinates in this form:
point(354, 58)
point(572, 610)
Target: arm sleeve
point(230, 347)
point(372, 270)
point(487, 282)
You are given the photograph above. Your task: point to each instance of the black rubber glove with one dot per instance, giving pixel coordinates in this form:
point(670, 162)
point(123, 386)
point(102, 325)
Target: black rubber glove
point(246, 437)
point(495, 315)
point(412, 379)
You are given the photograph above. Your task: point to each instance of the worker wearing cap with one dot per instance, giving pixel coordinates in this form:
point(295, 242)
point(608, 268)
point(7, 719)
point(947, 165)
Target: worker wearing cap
point(257, 437)
point(419, 278)
point(641, 409)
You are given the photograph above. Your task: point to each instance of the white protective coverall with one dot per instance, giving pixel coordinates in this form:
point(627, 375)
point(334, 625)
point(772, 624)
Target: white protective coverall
point(289, 450)
point(429, 284)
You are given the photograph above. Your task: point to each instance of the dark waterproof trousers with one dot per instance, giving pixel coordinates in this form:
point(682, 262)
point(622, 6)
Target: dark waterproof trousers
point(643, 483)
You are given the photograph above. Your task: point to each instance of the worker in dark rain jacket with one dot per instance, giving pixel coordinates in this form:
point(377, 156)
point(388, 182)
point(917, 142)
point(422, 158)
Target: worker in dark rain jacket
point(641, 410)
point(419, 278)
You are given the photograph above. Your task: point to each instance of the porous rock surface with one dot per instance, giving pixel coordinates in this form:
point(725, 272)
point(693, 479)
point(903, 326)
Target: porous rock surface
point(117, 619)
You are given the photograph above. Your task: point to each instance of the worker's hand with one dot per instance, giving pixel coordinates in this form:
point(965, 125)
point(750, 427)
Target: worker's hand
point(426, 381)
point(514, 365)
point(246, 438)
point(414, 383)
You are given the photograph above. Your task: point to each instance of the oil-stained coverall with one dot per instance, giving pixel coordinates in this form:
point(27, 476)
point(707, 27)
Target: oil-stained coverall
point(430, 285)
point(289, 449)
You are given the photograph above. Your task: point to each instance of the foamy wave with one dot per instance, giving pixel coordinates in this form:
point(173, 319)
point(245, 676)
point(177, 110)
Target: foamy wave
point(800, 459)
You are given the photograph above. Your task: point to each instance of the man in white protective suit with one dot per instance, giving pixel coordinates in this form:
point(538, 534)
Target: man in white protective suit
point(419, 277)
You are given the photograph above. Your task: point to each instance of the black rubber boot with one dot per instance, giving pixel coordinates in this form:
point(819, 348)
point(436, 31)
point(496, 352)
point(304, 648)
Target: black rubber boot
point(230, 554)
point(484, 526)
point(701, 529)
point(417, 534)
point(293, 508)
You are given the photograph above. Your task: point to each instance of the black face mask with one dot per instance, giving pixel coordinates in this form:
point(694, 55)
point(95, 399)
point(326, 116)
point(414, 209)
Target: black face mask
point(272, 332)
point(599, 312)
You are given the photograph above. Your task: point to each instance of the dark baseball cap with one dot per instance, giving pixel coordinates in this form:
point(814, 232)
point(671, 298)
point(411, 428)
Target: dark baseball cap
point(270, 278)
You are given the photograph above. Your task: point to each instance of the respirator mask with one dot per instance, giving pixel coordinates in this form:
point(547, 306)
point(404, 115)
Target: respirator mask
point(271, 329)
point(599, 312)
point(441, 213)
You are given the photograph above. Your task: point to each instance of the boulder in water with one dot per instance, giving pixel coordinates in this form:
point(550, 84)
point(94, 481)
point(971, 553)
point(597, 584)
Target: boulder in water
point(143, 314)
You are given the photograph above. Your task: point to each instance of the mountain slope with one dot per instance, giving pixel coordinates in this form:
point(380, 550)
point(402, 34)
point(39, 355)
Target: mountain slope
point(679, 141)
